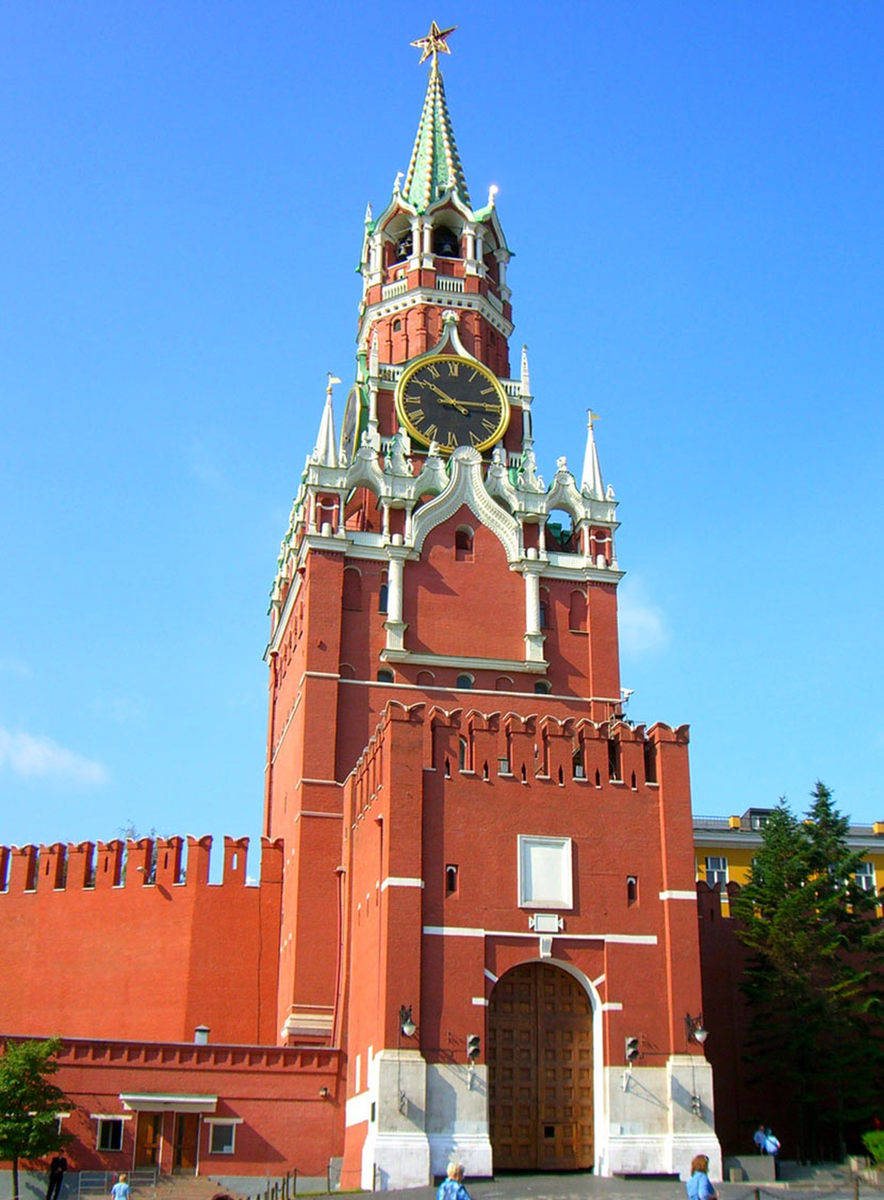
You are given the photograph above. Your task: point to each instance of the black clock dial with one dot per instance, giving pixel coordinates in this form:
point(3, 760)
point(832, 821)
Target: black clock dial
point(453, 401)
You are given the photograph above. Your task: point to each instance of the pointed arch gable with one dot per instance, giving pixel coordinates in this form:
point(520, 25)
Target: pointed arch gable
point(467, 487)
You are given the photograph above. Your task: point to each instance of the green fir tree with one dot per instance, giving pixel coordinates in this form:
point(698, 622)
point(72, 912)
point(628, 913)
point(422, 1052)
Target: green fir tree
point(815, 977)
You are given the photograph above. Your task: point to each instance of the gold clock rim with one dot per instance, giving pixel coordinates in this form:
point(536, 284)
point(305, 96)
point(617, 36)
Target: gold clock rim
point(505, 411)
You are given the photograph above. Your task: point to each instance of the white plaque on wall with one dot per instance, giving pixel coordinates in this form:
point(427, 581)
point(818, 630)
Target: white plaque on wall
point(545, 872)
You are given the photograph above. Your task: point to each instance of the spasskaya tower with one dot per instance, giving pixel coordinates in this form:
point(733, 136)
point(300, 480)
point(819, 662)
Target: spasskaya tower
point(486, 863)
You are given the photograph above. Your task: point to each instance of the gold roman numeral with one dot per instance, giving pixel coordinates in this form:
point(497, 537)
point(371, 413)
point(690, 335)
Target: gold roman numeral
point(431, 431)
point(475, 438)
point(451, 439)
point(487, 391)
point(433, 370)
point(488, 424)
point(473, 376)
point(453, 369)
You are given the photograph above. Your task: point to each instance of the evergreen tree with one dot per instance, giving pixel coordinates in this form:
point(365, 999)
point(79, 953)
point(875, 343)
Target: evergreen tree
point(29, 1104)
point(815, 978)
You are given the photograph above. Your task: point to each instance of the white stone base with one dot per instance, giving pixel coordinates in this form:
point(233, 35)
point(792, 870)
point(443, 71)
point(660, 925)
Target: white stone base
point(651, 1127)
point(392, 1161)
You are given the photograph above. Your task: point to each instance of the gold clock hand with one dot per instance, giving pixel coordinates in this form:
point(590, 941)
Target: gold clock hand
point(480, 404)
point(446, 399)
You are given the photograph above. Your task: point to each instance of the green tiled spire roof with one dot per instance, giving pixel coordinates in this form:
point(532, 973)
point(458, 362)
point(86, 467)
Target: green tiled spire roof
point(435, 164)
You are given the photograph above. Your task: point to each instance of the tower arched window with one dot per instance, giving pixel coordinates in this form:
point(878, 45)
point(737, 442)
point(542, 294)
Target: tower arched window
point(446, 242)
point(385, 675)
point(397, 325)
point(383, 595)
point(403, 247)
point(464, 682)
point(543, 687)
point(577, 612)
point(462, 754)
point(352, 597)
point(463, 544)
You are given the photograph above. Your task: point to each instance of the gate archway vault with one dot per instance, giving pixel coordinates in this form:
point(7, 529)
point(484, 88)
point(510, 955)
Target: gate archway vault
point(540, 1071)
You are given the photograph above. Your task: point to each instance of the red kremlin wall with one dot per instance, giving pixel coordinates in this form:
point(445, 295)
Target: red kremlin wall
point(101, 938)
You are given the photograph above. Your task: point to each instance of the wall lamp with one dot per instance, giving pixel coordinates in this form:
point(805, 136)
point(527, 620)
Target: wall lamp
point(406, 1024)
point(694, 1028)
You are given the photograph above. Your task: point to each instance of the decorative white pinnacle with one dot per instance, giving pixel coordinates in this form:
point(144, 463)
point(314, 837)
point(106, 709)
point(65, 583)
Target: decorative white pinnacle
point(525, 386)
point(374, 357)
point(591, 483)
point(326, 453)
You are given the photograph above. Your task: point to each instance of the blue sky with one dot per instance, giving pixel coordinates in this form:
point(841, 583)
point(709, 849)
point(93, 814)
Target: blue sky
point(693, 192)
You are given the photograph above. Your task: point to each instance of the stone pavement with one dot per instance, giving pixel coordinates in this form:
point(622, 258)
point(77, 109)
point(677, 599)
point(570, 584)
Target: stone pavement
point(580, 1186)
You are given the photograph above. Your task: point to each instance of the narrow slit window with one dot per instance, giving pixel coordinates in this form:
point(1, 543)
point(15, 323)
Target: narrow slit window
point(451, 879)
point(613, 759)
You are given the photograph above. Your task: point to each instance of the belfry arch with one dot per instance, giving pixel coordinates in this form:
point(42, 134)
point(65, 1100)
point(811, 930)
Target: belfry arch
point(540, 1070)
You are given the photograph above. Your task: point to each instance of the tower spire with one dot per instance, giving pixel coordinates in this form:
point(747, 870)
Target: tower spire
point(591, 482)
point(326, 453)
point(435, 163)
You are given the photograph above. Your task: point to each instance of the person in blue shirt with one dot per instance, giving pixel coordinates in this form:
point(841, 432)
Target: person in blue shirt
point(452, 1188)
point(698, 1186)
point(120, 1190)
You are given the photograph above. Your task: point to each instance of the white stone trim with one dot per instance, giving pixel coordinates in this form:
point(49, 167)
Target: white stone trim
point(612, 1006)
point(401, 881)
point(461, 662)
point(490, 975)
point(223, 1120)
point(676, 895)
point(358, 1108)
point(623, 939)
point(480, 1001)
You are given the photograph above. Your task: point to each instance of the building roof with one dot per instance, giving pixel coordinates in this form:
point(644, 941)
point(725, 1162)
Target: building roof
point(435, 163)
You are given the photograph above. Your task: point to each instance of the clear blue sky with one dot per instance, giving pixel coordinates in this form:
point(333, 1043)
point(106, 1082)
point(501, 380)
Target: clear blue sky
point(693, 192)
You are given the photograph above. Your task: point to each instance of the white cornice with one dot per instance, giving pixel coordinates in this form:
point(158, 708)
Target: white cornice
point(471, 301)
point(464, 662)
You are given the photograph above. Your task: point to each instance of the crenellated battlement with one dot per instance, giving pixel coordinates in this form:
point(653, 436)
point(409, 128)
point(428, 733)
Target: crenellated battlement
point(524, 747)
point(132, 864)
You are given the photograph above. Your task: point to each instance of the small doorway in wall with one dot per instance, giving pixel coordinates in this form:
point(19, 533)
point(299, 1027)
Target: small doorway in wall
point(147, 1139)
point(185, 1143)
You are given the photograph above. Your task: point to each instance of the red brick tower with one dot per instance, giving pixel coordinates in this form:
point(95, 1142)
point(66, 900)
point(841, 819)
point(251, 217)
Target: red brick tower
point(488, 892)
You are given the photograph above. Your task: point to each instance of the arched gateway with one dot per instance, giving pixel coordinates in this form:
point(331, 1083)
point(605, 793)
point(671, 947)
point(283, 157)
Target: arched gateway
point(540, 1071)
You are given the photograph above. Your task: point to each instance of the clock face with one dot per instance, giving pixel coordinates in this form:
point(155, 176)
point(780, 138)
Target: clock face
point(453, 401)
point(350, 430)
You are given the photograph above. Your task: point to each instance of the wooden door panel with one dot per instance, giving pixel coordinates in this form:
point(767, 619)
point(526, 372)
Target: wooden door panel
point(540, 1071)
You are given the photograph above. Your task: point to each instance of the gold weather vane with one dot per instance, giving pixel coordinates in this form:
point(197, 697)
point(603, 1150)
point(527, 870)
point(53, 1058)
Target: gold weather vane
point(434, 43)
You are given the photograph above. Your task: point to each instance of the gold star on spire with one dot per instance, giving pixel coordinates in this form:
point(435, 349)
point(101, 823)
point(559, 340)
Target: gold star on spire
point(434, 43)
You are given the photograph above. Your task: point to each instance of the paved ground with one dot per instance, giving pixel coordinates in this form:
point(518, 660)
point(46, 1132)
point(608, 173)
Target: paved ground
point(570, 1186)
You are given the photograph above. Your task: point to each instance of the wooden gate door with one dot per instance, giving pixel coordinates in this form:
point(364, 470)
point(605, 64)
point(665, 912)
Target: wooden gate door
point(147, 1139)
point(540, 1071)
point(185, 1147)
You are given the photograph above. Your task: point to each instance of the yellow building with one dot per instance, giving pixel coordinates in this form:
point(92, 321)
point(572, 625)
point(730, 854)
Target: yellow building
point(725, 847)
